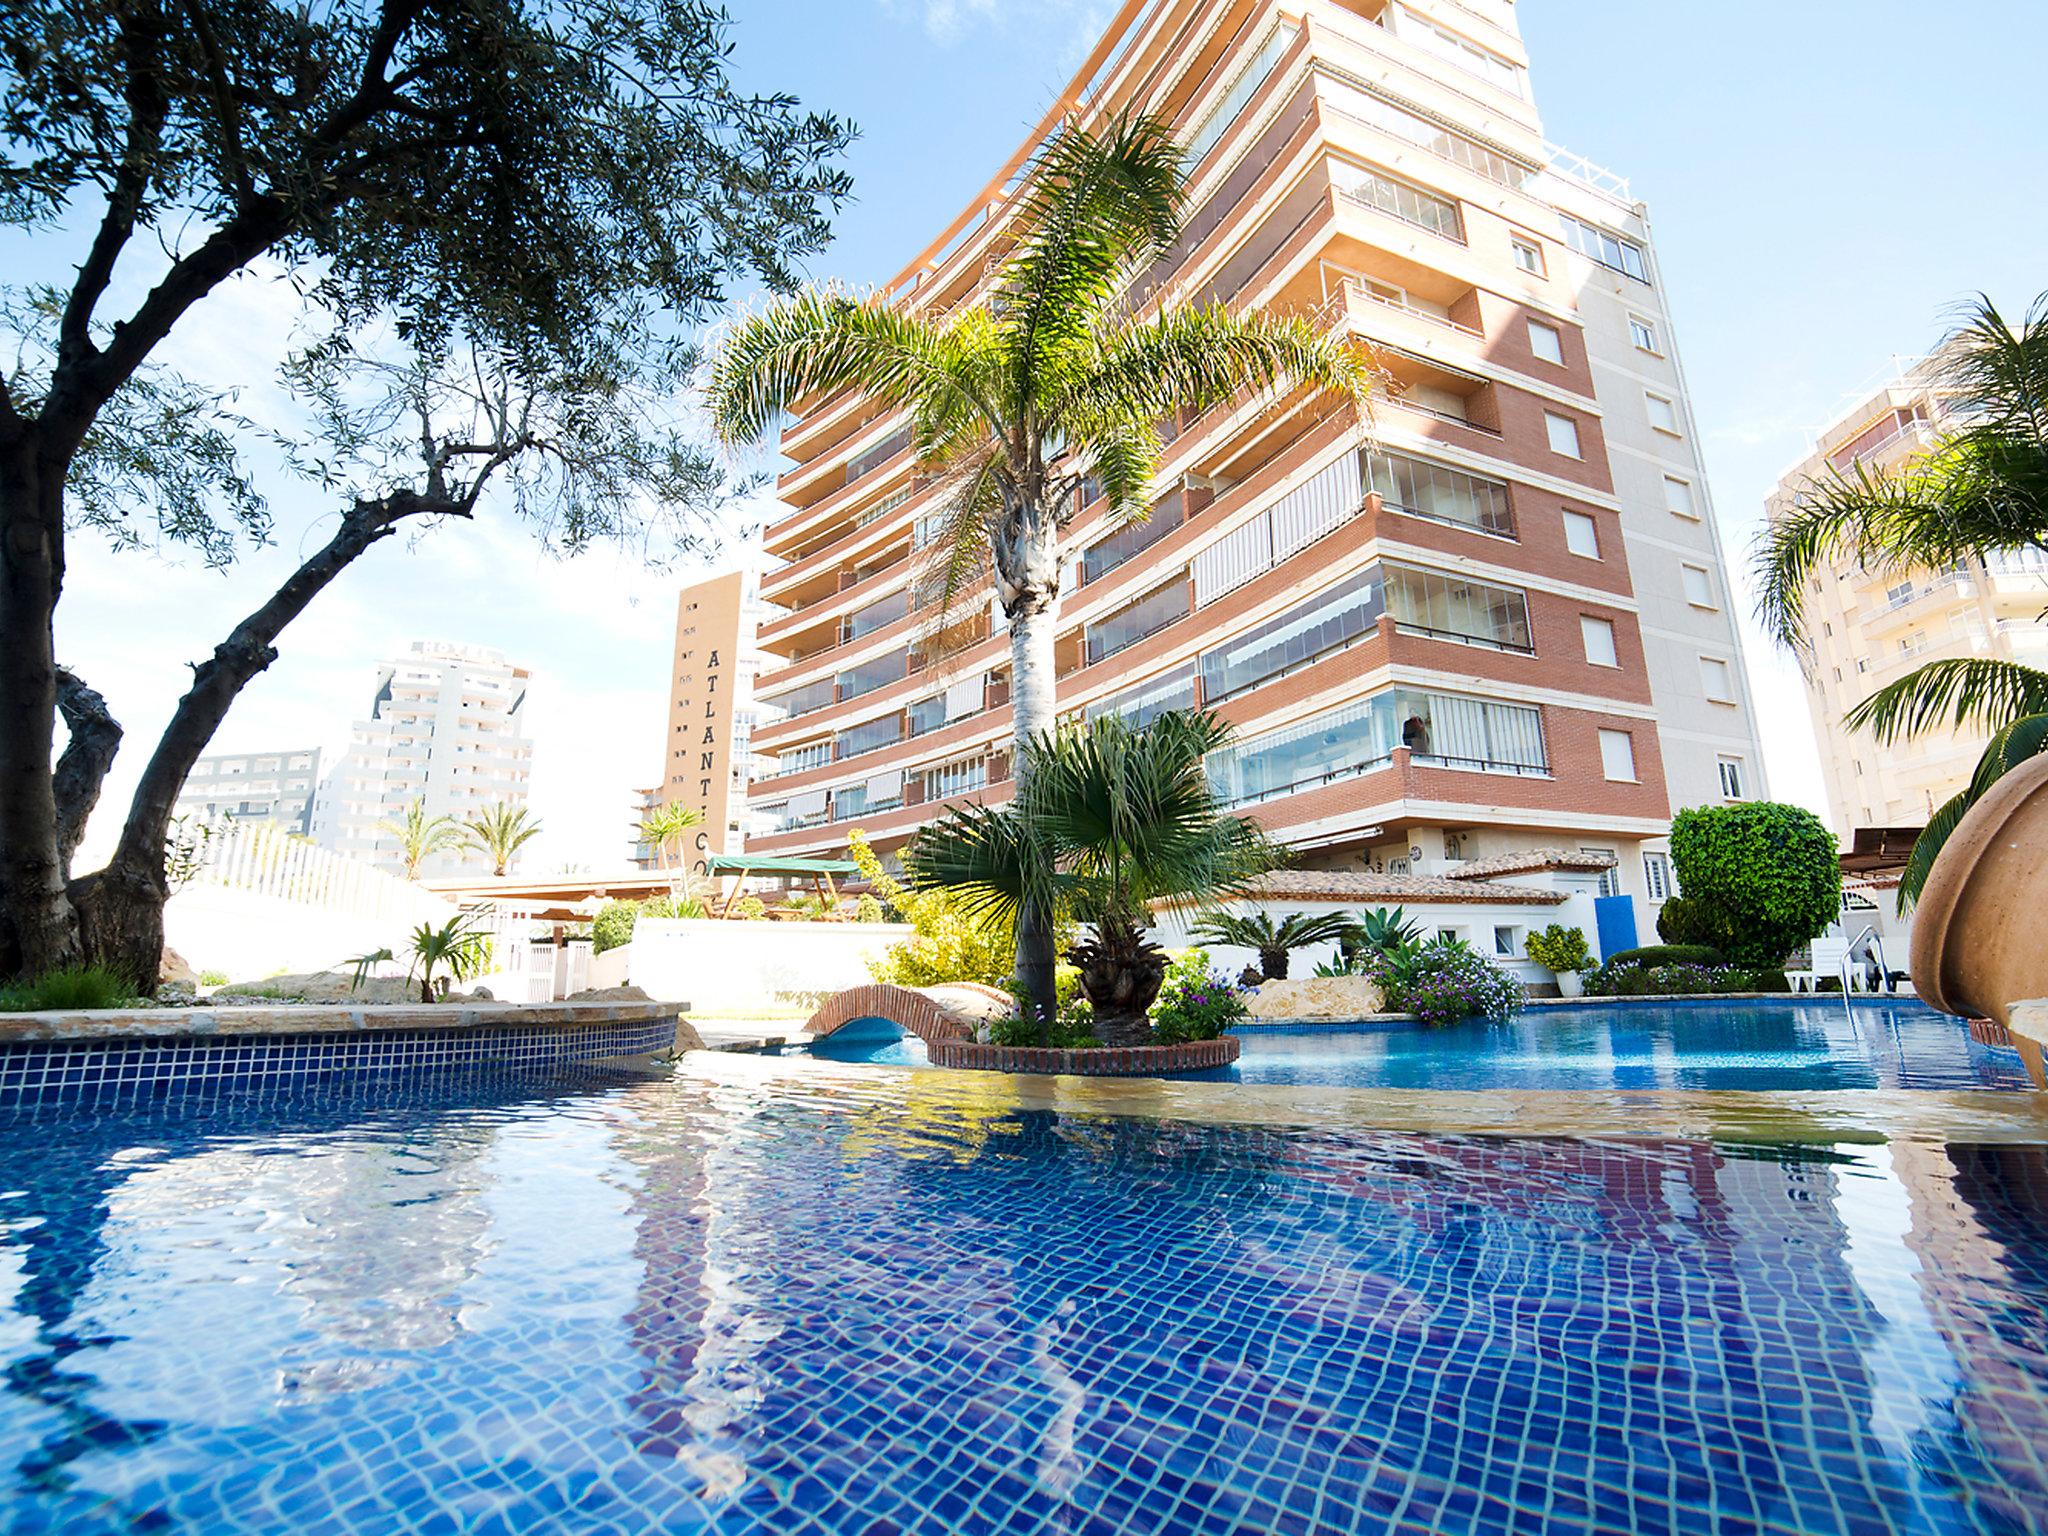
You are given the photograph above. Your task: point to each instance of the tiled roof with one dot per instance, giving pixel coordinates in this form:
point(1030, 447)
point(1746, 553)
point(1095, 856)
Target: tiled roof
point(1530, 860)
point(1418, 890)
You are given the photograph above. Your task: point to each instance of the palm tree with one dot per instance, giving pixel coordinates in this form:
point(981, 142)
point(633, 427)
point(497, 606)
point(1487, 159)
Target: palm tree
point(421, 836)
point(499, 833)
point(1981, 492)
point(458, 946)
point(1061, 371)
point(1114, 820)
point(1257, 930)
point(662, 829)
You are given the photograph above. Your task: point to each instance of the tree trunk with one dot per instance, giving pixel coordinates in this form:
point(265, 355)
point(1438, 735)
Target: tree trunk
point(1028, 583)
point(1273, 964)
point(121, 907)
point(38, 927)
point(1121, 972)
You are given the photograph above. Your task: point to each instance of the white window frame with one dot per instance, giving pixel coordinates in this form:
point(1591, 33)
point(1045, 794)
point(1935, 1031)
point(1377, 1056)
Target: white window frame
point(1555, 425)
point(1659, 883)
point(1732, 771)
point(1591, 527)
point(1624, 743)
point(1512, 950)
point(1656, 405)
point(1638, 328)
point(1597, 636)
point(1704, 597)
point(1518, 243)
point(1552, 337)
point(1711, 668)
point(1679, 500)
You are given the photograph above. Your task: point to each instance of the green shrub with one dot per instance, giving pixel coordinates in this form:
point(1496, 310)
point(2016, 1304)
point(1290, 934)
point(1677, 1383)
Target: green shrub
point(1444, 981)
point(1194, 1002)
point(1073, 1027)
point(868, 910)
point(748, 909)
point(213, 978)
point(1768, 872)
point(1689, 925)
point(1683, 978)
point(72, 988)
point(946, 943)
point(1667, 954)
point(1559, 949)
point(1770, 981)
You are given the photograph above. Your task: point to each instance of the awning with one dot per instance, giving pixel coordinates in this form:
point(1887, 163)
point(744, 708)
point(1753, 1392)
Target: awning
point(725, 864)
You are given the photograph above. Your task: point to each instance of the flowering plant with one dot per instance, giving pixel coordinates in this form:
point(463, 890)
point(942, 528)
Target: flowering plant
point(1194, 1002)
point(1633, 978)
point(1444, 981)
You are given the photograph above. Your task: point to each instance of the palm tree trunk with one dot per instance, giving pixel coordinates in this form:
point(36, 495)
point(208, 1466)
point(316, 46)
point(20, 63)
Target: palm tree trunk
point(1028, 583)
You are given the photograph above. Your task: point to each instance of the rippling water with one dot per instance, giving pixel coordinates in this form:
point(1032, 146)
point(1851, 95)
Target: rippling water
point(878, 1302)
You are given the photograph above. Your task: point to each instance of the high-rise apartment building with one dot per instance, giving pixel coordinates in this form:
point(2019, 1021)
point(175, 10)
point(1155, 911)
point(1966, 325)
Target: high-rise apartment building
point(713, 714)
point(446, 728)
point(275, 788)
point(1866, 629)
point(1497, 621)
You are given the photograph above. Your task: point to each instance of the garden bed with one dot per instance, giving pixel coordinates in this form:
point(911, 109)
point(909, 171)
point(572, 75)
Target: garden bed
point(1092, 1061)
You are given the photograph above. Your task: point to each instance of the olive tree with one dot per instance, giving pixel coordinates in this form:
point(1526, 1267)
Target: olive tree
point(505, 217)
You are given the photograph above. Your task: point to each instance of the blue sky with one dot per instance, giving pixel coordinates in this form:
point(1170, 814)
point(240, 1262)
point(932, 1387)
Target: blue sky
point(1825, 179)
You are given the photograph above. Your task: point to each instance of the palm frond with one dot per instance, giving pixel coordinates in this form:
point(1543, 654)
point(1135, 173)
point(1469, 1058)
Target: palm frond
point(1190, 358)
point(1095, 205)
point(2021, 740)
point(991, 860)
point(1927, 848)
point(822, 340)
point(1956, 693)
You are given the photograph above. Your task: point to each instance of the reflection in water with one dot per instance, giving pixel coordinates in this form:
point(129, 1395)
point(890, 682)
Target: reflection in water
point(894, 1305)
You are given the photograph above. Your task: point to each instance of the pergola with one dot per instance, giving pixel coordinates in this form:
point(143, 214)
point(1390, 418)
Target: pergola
point(821, 872)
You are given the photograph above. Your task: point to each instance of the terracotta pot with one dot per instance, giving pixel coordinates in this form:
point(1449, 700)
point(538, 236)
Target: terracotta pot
point(1980, 932)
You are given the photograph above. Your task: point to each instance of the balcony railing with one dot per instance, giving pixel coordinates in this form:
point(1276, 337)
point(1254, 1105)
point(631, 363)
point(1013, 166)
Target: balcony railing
point(1353, 291)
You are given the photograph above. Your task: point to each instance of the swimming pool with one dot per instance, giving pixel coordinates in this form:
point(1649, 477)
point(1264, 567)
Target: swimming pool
point(781, 1296)
point(1743, 1044)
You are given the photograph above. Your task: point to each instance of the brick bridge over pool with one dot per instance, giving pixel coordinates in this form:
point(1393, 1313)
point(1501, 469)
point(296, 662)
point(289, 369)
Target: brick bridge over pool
point(952, 1012)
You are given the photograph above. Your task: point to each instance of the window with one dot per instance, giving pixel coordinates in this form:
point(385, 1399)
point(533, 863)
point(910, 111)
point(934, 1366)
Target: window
point(958, 778)
point(1546, 341)
point(1699, 585)
point(1663, 412)
point(1112, 550)
point(1420, 488)
point(1507, 940)
point(1451, 607)
point(1599, 637)
point(1463, 53)
point(1657, 876)
point(1596, 244)
point(1582, 535)
point(1448, 935)
point(1564, 434)
point(1410, 204)
point(1644, 334)
point(1134, 621)
point(1528, 254)
point(1718, 679)
point(1325, 623)
point(1731, 778)
point(1618, 756)
point(1678, 497)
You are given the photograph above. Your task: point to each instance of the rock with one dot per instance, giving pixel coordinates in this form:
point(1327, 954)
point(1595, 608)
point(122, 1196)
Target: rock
point(1317, 997)
point(625, 994)
point(172, 971)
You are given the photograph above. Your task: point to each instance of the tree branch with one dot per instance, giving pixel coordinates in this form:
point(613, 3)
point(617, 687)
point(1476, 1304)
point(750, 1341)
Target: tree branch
point(146, 108)
point(95, 738)
point(234, 162)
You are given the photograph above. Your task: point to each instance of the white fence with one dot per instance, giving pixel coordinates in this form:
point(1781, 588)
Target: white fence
point(264, 901)
point(731, 967)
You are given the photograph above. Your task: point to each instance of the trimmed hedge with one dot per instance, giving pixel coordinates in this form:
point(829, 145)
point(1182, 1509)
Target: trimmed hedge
point(1667, 954)
point(1759, 879)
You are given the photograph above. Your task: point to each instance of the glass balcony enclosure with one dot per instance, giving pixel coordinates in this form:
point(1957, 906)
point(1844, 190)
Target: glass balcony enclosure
point(1448, 607)
point(1422, 488)
point(1327, 622)
point(1133, 622)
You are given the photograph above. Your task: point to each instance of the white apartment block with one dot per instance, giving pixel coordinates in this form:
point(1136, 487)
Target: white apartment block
point(446, 727)
point(275, 788)
point(1867, 629)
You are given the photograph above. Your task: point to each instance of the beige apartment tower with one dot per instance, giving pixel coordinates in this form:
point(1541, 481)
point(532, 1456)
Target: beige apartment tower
point(712, 715)
point(1868, 629)
point(1501, 624)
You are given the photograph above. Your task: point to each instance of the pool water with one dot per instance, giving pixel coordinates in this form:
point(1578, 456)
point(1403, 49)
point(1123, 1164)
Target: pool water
point(1737, 1044)
point(795, 1298)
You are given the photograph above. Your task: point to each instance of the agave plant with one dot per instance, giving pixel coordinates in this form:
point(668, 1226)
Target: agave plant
point(1059, 375)
point(457, 946)
point(1258, 930)
point(1117, 819)
point(1981, 492)
point(1384, 932)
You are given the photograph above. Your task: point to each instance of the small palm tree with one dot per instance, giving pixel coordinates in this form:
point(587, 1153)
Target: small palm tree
point(1061, 371)
point(421, 836)
point(662, 829)
point(1257, 930)
point(457, 946)
point(499, 833)
point(1980, 492)
point(1116, 819)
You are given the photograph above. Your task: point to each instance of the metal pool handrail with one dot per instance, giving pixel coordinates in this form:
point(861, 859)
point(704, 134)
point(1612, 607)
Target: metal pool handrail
point(1855, 948)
